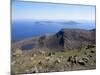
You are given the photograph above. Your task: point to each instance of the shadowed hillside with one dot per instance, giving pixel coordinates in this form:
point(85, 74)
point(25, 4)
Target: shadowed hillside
point(65, 39)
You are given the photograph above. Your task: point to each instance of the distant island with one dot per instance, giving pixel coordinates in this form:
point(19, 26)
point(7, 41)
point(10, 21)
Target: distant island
point(57, 22)
point(70, 23)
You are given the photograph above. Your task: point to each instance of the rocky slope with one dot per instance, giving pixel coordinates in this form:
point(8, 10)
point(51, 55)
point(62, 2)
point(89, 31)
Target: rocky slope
point(67, 50)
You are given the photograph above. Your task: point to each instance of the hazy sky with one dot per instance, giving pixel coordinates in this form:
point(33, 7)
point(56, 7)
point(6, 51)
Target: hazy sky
point(49, 11)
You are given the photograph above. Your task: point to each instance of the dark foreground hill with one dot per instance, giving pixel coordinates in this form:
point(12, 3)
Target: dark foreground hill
point(65, 39)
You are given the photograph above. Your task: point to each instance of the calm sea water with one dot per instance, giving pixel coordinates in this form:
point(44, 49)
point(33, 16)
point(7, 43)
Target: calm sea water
point(21, 30)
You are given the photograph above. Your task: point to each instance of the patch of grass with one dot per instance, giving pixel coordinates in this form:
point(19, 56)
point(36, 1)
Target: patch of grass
point(22, 63)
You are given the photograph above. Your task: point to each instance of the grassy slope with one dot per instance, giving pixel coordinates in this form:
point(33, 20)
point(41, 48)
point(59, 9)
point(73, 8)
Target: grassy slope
point(44, 62)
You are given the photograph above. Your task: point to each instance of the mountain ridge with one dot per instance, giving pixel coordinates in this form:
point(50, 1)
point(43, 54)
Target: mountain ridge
point(65, 39)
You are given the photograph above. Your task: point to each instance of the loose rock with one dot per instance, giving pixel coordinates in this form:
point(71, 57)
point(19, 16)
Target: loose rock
point(81, 62)
point(57, 60)
point(86, 59)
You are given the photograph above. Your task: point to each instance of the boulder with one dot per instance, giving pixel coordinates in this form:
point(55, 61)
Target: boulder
point(73, 60)
point(40, 63)
point(81, 62)
point(47, 58)
point(50, 54)
point(85, 59)
point(42, 52)
point(57, 60)
point(76, 59)
point(69, 58)
point(33, 55)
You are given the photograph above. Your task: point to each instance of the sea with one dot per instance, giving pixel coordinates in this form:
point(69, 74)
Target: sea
point(26, 29)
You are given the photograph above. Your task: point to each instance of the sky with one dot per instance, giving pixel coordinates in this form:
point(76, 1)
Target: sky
point(51, 11)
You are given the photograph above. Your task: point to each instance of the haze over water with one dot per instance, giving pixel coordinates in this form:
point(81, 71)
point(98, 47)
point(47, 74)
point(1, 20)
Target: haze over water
point(31, 19)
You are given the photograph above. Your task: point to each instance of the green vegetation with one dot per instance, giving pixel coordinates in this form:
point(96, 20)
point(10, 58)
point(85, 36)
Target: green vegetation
point(52, 61)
